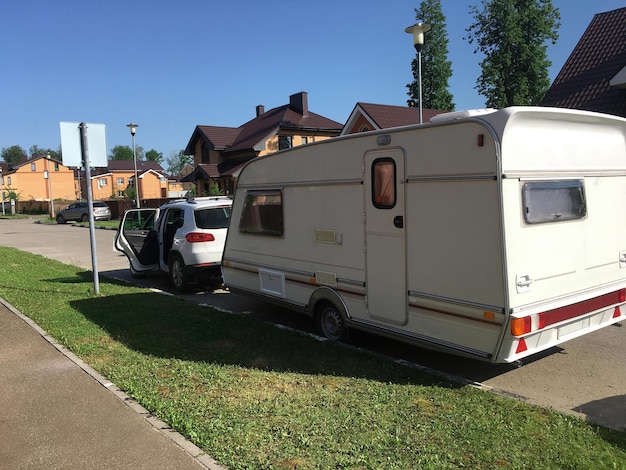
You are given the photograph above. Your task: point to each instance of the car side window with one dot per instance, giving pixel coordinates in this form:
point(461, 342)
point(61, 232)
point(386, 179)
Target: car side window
point(174, 219)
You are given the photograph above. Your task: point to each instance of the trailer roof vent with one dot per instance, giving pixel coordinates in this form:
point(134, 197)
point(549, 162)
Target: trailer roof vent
point(384, 139)
point(455, 115)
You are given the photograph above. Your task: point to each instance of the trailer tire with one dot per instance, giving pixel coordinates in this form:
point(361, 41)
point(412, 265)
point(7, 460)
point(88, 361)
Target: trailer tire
point(330, 322)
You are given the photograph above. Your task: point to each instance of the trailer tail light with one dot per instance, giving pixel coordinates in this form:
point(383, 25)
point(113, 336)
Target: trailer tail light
point(538, 321)
point(199, 237)
point(521, 326)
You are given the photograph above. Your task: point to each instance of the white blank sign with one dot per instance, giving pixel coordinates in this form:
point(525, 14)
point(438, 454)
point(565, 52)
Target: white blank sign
point(96, 144)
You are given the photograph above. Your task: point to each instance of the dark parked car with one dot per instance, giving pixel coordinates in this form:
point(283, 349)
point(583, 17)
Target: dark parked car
point(80, 211)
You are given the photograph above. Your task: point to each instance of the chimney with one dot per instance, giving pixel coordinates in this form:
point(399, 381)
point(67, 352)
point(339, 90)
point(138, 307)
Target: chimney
point(260, 109)
point(300, 103)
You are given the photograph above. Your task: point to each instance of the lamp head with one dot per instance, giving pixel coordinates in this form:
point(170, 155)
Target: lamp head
point(418, 30)
point(133, 128)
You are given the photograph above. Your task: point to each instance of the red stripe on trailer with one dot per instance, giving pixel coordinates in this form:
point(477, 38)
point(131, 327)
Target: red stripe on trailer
point(580, 308)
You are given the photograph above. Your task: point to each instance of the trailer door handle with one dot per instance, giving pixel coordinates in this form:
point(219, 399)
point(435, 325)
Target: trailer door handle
point(398, 221)
point(523, 282)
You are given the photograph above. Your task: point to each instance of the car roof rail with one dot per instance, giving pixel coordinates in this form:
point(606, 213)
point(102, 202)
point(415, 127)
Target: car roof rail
point(193, 200)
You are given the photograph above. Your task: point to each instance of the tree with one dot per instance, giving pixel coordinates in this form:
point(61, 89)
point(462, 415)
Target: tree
point(124, 152)
point(177, 161)
point(436, 68)
point(36, 150)
point(512, 35)
point(13, 155)
point(153, 155)
point(121, 152)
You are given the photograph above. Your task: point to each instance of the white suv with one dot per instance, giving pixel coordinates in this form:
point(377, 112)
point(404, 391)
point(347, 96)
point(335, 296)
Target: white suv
point(184, 238)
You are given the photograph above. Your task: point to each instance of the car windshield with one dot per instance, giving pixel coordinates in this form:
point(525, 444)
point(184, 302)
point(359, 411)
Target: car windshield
point(215, 217)
point(99, 204)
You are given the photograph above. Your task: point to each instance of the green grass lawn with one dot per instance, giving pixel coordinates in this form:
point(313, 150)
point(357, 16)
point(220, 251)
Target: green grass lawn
point(256, 396)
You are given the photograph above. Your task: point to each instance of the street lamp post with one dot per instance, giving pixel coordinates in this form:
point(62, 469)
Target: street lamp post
point(133, 129)
point(48, 176)
point(418, 30)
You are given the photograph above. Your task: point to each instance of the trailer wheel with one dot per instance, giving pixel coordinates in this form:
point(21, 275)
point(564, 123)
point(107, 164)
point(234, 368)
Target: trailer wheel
point(331, 323)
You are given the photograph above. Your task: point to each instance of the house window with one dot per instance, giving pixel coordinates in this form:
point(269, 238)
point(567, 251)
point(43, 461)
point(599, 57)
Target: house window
point(364, 129)
point(8, 180)
point(284, 142)
point(383, 183)
point(262, 213)
point(553, 201)
point(119, 181)
point(102, 183)
point(204, 153)
point(33, 167)
point(56, 166)
point(305, 140)
point(120, 194)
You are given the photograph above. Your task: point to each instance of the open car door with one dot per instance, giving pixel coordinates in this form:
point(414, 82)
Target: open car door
point(137, 238)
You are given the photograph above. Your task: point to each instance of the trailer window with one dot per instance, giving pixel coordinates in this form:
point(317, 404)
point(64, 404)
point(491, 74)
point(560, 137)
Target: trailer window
point(383, 183)
point(262, 213)
point(554, 201)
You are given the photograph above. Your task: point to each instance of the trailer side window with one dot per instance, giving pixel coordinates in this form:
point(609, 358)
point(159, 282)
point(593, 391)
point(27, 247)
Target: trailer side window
point(262, 213)
point(384, 183)
point(553, 201)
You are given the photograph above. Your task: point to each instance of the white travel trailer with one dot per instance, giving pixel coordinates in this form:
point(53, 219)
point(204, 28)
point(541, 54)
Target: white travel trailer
point(488, 234)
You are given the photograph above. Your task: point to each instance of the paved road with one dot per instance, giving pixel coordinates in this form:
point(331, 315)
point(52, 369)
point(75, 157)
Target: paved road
point(585, 376)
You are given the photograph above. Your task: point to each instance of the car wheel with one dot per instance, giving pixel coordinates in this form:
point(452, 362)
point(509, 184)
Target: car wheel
point(136, 274)
point(177, 272)
point(331, 323)
point(60, 219)
point(85, 218)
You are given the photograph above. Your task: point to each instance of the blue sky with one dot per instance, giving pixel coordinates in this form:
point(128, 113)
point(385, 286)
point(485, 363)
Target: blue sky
point(170, 66)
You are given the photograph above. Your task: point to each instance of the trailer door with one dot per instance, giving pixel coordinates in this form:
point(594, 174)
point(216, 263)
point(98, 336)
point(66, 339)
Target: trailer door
point(385, 259)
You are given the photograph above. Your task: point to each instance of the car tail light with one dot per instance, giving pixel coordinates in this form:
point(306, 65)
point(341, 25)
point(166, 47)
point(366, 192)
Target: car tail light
point(199, 237)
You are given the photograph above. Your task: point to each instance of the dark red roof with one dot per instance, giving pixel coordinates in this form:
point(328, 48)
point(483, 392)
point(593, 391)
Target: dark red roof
point(583, 82)
point(204, 171)
point(386, 116)
point(128, 165)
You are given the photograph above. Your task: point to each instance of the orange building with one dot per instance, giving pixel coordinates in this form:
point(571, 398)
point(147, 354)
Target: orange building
point(220, 152)
point(113, 181)
point(39, 178)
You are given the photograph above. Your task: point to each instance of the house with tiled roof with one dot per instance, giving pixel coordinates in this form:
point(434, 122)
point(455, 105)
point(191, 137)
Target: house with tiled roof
point(40, 178)
point(112, 181)
point(594, 76)
point(370, 117)
point(220, 152)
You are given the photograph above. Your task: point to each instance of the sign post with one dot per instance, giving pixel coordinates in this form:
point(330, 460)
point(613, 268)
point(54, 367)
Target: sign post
point(77, 155)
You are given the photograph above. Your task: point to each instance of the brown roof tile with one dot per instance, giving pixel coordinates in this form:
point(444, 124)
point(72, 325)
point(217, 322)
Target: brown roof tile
point(600, 54)
point(386, 116)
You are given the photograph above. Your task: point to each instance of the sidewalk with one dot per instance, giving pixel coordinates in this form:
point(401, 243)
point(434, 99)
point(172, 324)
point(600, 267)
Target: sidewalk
point(56, 412)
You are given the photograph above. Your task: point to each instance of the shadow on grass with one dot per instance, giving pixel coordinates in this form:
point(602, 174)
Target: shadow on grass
point(168, 327)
